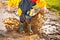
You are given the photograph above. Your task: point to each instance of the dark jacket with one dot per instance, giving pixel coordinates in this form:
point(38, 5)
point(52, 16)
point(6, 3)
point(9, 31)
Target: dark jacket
point(26, 5)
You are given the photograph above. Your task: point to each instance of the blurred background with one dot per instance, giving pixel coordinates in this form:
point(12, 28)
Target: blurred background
point(53, 5)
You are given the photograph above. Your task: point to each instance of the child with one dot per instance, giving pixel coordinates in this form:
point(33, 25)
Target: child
point(25, 6)
point(23, 11)
point(39, 4)
point(12, 4)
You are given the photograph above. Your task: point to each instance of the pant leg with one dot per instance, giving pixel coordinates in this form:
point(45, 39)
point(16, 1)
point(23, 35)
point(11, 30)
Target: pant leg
point(28, 18)
point(22, 18)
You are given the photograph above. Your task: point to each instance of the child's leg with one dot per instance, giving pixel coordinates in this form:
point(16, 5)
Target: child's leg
point(25, 26)
point(22, 20)
point(29, 28)
point(28, 18)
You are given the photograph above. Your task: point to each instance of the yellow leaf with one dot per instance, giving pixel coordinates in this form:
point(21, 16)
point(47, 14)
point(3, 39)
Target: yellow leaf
point(40, 3)
point(13, 3)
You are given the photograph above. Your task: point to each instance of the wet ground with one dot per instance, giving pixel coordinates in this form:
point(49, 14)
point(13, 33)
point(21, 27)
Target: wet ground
point(50, 28)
